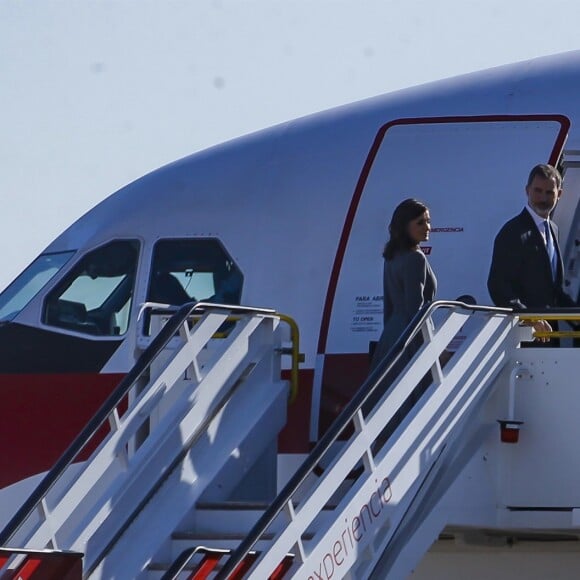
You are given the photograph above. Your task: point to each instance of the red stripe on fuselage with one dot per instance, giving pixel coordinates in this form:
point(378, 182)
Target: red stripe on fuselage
point(295, 437)
point(43, 413)
point(41, 416)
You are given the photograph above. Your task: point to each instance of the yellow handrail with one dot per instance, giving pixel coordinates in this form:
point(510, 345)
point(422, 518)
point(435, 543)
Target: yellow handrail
point(558, 334)
point(536, 317)
point(295, 354)
point(529, 318)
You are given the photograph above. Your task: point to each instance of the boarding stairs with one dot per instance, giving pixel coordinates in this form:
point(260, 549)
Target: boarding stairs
point(196, 417)
point(363, 504)
point(367, 507)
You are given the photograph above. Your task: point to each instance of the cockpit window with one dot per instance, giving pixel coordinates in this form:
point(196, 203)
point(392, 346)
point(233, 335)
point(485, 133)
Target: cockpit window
point(30, 282)
point(95, 298)
point(194, 270)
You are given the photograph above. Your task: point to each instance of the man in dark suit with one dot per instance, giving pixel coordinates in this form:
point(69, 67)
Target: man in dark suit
point(526, 268)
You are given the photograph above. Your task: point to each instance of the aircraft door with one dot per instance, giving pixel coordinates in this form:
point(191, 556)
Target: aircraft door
point(471, 172)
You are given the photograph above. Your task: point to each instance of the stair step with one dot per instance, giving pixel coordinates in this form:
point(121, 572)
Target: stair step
point(229, 518)
point(232, 506)
point(199, 537)
point(213, 523)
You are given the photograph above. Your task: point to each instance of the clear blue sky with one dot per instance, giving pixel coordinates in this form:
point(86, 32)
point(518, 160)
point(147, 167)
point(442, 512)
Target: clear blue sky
point(95, 93)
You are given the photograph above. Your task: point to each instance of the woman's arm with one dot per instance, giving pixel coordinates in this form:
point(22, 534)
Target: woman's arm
point(414, 275)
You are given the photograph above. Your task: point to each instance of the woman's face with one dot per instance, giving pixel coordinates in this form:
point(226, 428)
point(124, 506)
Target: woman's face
point(419, 228)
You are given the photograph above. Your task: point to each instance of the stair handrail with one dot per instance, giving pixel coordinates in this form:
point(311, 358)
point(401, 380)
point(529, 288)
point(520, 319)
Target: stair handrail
point(184, 558)
point(158, 343)
point(349, 412)
point(31, 563)
point(296, 357)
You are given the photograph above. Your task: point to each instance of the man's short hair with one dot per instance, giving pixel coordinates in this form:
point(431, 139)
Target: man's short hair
point(546, 171)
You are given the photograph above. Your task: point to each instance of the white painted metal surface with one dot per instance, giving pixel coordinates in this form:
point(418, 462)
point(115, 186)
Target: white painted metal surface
point(338, 533)
point(228, 407)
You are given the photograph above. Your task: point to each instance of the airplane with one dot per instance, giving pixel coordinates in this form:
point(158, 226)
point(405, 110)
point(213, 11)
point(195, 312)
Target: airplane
point(294, 218)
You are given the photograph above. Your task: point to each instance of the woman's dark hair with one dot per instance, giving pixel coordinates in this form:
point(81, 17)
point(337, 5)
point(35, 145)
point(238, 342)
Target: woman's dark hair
point(399, 239)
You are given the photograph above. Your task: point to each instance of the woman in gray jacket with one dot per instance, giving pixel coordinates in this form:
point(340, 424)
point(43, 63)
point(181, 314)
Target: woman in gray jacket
point(408, 280)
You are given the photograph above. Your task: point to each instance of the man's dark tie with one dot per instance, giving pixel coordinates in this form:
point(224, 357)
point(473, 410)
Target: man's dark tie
point(551, 249)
